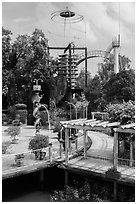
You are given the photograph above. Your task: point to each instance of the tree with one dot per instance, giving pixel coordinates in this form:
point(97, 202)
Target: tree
point(27, 60)
point(120, 87)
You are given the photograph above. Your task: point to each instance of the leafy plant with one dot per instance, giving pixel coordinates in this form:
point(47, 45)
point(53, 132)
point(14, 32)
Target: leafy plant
point(37, 143)
point(113, 173)
point(123, 112)
point(13, 131)
point(19, 159)
point(5, 146)
point(72, 194)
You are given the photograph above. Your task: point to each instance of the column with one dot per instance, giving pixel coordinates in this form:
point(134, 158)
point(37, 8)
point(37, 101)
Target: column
point(85, 140)
point(115, 150)
point(131, 152)
point(50, 152)
point(66, 145)
point(41, 179)
point(115, 191)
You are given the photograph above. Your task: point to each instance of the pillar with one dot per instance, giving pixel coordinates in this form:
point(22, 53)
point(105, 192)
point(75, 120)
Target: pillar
point(66, 179)
point(85, 140)
point(115, 150)
point(50, 152)
point(60, 149)
point(116, 65)
point(131, 152)
point(42, 179)
point(115, 191)
point(66, 145)
point(76, 144)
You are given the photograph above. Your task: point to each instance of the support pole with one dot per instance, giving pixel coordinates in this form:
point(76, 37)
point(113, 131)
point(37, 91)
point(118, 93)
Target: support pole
point(76, 144)
point(86, 67)
point(41, 179)
point(85, 140)
point(116, 65)
point(66, 179)
point(115, 191)
point(131, 153)
point(66, 145)
point(115, 150)
point(50, 152)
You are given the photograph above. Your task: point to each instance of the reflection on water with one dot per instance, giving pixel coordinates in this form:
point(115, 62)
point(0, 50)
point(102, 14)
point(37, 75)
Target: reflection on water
point(35, 196)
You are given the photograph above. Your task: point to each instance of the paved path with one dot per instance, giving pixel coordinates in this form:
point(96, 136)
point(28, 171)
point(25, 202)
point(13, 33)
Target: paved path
point(102, 145)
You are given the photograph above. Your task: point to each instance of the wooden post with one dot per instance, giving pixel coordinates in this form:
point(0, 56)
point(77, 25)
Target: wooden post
point(76, 144)
point(115, 191)
point(115, 150)
point(85, 140)
point(41, 179)
point(60, 149)
point(50, 152)
point(66, 145)
point(66, 179)
point(131, 153)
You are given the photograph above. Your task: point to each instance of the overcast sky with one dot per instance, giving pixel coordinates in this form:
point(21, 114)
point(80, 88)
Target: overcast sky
point(102, 22)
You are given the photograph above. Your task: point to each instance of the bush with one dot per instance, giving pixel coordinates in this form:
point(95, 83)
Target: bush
point(38, 142)
point(113, 173)
point(13, 131)
point(5, 146)
point(4, 118)
point(23, 115)
point(21, 106)
point(16, 122)
point(44, 117)
point(123, 113)
point(72, 194)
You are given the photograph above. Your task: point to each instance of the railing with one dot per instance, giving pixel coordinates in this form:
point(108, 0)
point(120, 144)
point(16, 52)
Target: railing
point(126, 162)
point(36, 158)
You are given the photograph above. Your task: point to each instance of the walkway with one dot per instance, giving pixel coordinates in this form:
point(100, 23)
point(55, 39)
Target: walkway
point(100, 159)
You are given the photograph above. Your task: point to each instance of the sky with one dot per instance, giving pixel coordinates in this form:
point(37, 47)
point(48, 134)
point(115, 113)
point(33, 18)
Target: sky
point(102, 22)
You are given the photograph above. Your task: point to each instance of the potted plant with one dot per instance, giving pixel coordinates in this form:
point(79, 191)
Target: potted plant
point(113, 173)
point(19, 159)
point(13, 131)
point(37, 143)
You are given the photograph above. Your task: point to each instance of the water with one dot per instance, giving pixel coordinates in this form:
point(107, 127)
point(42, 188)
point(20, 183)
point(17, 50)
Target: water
point(27, 188)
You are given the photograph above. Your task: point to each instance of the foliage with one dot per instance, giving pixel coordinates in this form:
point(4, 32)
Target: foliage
point(13, 131)
point(23, 115)
point(21, 106)
point(113, 173)
point(123, 113)
point(5, 146)
point(44, 117)
point(27, 59)
point(120, 87)
point(38, 142)
point(4, 118)
point(16, 122)
point(72, 194)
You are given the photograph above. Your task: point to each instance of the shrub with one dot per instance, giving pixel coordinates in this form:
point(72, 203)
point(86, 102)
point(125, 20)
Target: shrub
point(113, 173)
point(16, 122)
point(23, 115)
point(72, 194)
point(37, 143)
point(21, 106)
point(123, 113)
point(5, 146)
point(44, 117)
point(4, 118)
point(13, 131)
